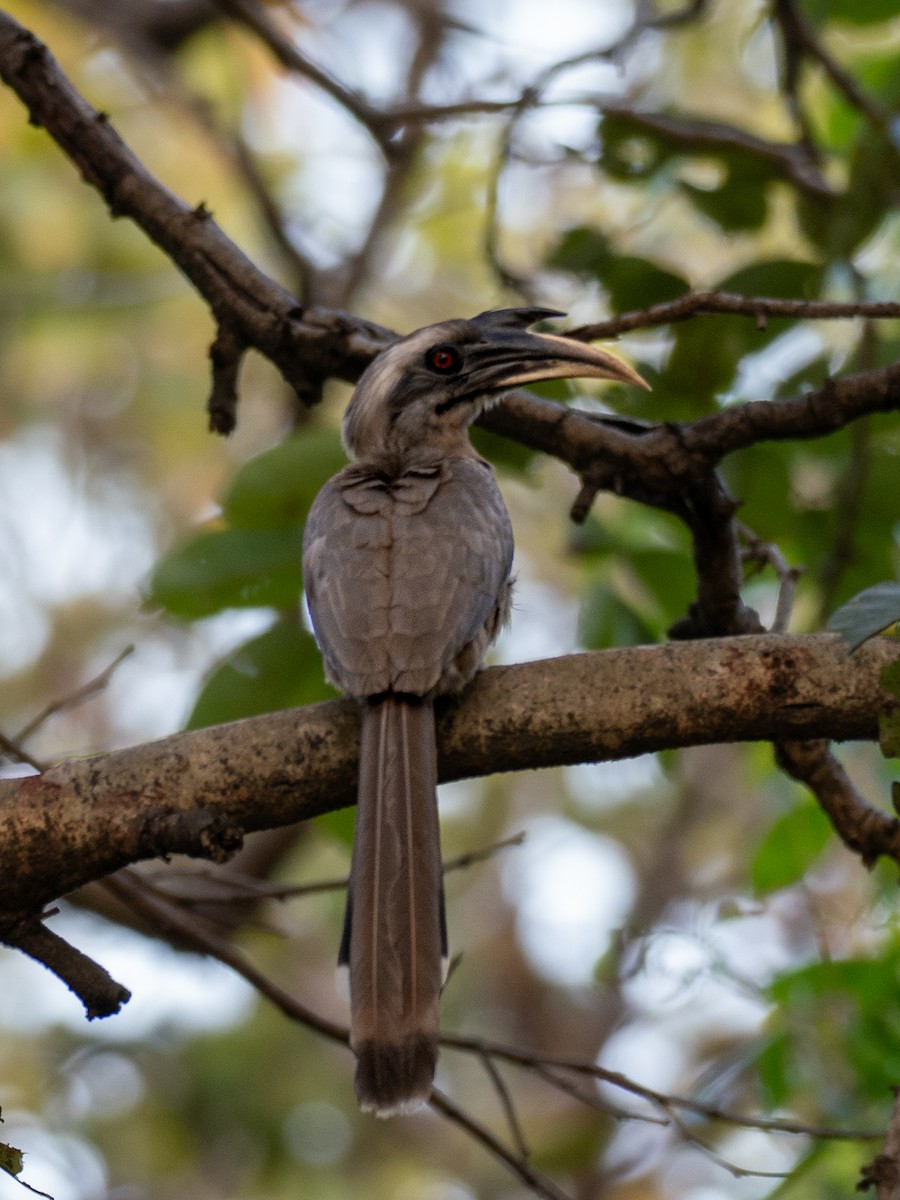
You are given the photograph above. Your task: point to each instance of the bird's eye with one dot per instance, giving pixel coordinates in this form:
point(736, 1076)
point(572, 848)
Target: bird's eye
point(446, 360)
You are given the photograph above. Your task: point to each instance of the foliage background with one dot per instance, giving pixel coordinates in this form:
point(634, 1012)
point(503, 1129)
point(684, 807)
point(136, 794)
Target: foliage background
point(685, 919)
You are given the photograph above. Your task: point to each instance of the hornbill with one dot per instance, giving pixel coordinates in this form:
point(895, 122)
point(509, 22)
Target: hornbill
point(406, 564)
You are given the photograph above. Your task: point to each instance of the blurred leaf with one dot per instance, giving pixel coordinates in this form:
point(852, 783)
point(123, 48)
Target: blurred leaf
point(738, 204)
point(671, 578)
point(338, 824)
point(869, 613)
point(854, 12)
point(789, 848)
point(773, 1063)
point(630, 282)
point(279, 669)
point(628, 151)
point(505, 453)
point(707, 351)
point(11, 1159)
point(840, 225)
point(839, 1007)
point(230, 568)
point(275, 489)
point(784, 278)
point(811, 375)
point(606, 620)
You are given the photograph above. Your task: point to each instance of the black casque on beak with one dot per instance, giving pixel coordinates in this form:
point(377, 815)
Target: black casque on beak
point(509, 355)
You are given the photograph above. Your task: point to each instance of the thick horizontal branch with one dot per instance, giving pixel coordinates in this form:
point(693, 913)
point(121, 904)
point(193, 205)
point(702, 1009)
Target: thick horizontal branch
point(85, 818)
point(637, 459)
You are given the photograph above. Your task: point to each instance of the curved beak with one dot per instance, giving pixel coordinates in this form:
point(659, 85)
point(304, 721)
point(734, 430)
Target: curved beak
point(509, 358)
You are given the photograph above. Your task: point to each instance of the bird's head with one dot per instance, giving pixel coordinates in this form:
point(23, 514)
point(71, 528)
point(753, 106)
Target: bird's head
point(424, 391)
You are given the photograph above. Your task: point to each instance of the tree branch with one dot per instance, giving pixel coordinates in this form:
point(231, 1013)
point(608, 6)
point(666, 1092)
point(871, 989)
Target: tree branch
point(193, 792)
point(258, 310)
point(328, 343)
point(91, 983)
point(760, 308)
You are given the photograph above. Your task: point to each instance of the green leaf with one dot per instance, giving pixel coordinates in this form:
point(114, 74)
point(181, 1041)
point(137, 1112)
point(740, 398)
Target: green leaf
point(784, 278)
point(840, 225)
point(339, 824)
point(606, 620)
point(789, 848)
point(854, 12)
point(867, 614)
point(582, 250)
point(275, 489)
point(503, 452)
point(840, 1006)
point(739, 203)
point(629, 152)
point(706, 352)
point(671, 577)
point(11, 1159)
point(630, 282)
point(279, 669)
point(229, 568)
point(774, 1066)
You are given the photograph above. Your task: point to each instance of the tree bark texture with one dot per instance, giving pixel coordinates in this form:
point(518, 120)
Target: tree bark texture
point(197, 792)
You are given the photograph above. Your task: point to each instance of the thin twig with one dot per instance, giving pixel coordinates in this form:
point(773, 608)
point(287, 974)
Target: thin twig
point(797, 30)
point(136, 892)
point(15, 750)
point(509, 1109)
point(74, 698)
point(255, 18)
point(538, 1183)
point(713, 1155)
point(661, 1100)
point(593, 1099)
point(695, 304)
point(763, 553)
point(100, 994)
point(234, 887)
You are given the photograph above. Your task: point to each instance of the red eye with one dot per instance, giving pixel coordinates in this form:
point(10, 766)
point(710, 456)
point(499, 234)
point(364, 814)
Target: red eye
point(444, 359)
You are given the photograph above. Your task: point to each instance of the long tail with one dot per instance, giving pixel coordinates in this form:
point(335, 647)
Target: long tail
point(395, 933)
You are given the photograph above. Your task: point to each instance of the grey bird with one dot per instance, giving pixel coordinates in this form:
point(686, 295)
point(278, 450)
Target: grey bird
point(406, 563)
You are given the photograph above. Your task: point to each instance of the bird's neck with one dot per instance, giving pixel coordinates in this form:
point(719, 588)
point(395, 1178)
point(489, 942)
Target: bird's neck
point(419, 441)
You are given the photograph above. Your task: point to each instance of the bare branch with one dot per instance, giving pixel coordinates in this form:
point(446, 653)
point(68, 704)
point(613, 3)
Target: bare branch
point(765, 553)
point(799, 34)
point(537, 1182)
point(694, 304)
point(193, 791)
point(865, 830)
point(322, 342)
point(506, 1103)
point(74, 698)
point(227, 887)
point(299, 342)
point(883, 1172)
point(225, 354)
point(660, 461)
point(660, 1100)
point(181, 927)
point(15, 750)
point(94, 986)
point(256, 18)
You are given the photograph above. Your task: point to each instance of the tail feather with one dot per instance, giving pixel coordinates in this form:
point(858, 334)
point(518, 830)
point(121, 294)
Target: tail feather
point(395, 934)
